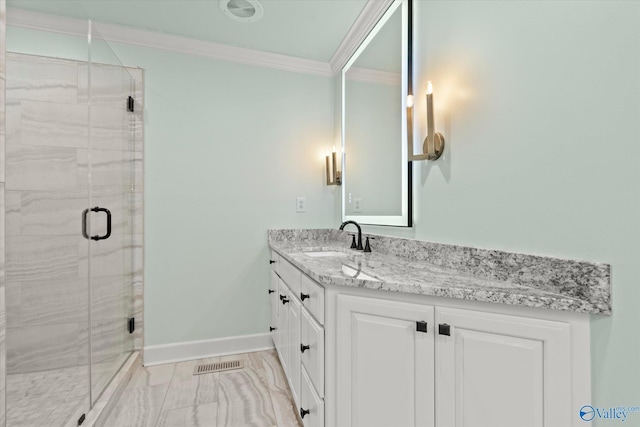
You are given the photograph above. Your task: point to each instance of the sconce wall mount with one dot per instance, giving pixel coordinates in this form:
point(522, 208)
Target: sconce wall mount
point(334, 177)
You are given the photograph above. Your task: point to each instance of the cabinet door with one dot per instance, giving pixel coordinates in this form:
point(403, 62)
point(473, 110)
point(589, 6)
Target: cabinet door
point(282, 333)
point(293, 370)
point(384, 365)
point(274, 300)
point(502, 371)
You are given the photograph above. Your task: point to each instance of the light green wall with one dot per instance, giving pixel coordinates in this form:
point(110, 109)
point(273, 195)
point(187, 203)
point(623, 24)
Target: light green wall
point(228, 148)
point(540, 106)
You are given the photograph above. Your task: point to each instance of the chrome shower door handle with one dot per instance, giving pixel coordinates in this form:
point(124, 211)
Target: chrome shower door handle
point(84, 223)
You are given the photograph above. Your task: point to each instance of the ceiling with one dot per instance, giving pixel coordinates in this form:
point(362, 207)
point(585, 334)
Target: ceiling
point(310, 29)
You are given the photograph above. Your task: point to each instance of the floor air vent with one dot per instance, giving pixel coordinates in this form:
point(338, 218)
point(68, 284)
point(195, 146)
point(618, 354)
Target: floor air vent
point(208, 368)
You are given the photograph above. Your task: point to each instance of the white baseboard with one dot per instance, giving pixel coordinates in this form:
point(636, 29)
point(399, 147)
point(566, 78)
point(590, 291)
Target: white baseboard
point(191, 350)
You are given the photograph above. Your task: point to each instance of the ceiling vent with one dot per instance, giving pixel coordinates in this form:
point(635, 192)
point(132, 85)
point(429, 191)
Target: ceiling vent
point(242, 10)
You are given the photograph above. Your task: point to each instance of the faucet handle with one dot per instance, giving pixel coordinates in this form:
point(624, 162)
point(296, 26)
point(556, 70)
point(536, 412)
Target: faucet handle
point(353, 241)
point(367, 248)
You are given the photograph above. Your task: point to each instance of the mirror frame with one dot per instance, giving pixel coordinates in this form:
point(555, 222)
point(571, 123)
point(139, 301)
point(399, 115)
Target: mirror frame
point(405, 219)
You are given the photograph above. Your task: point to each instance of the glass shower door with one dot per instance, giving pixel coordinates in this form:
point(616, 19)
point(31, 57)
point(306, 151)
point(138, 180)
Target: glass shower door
point(110, 161)
point(47, 270)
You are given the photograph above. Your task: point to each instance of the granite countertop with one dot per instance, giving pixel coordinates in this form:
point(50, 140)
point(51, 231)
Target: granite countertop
point(410, 266)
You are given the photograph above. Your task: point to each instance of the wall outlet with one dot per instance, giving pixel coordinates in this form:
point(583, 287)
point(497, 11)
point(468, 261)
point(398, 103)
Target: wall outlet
point(357, 205)
point(301, 204)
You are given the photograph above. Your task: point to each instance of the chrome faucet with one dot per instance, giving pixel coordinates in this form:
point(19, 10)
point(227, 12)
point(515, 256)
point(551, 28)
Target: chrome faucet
point(359, 246)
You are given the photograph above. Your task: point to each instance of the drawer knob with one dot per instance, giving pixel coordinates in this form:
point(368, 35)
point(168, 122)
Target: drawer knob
point(304, 296)
point(304, 347)
point(271, 291)
point(444, 329)
point(304, 412)
point(282, 297)
point(284, 301)
point(271, 329)
point(271, 261)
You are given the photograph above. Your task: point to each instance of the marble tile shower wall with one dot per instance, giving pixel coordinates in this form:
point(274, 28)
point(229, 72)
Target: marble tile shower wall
point(3, 346)
point(47, 189)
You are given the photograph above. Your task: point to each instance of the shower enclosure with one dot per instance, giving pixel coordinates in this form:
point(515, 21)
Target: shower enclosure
point(73, 229)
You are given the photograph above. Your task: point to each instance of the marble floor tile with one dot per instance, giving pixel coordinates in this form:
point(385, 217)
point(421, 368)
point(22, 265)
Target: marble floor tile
point(190, 390)
point(191, 416)
point(151, 376)
point(139, 407)
point(244, 400)
point(46, 398)
point(283, 405)
point(244, 397)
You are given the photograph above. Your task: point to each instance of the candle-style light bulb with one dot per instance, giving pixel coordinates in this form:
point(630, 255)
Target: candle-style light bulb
point(334, 148)
point(429, 142)
point(409, 101)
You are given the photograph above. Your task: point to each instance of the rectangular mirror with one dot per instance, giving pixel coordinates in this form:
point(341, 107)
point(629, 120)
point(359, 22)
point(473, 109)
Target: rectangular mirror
point(376, 181)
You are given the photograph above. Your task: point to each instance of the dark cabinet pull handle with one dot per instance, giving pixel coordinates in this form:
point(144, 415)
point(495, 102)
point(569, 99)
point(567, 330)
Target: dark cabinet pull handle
point(271, 291)
point(282, 297)
point(84, 223)
point(303, 412)
point(284, 301)
point(304, 347)
point(444, 329)
point(271, 261)
point(304, 296)
point(271, 329)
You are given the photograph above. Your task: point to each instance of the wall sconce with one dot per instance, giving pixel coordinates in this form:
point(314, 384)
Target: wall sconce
point(333, 174)
point(433, 145)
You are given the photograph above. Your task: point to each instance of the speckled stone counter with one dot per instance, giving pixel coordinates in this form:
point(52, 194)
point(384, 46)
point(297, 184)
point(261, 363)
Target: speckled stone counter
point(436, 269)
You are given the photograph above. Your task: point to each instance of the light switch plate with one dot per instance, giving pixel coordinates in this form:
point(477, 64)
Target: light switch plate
point(301, 204)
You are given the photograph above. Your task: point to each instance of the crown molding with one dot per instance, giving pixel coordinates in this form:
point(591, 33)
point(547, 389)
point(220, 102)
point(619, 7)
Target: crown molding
point(121, 34)
point(370, 15)
point(369, 75)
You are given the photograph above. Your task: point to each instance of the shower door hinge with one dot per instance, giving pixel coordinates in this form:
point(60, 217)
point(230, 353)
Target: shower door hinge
point(132, 324)
point(81, 419)
point(130, 104)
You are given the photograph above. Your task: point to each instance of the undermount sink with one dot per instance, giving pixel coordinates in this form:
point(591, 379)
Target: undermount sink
point(357, 274)
point(318, 254)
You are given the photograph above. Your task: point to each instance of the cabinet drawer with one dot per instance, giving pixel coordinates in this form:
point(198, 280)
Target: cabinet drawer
point(314, 302)
point(312, 335)
point(311, 402)
point(290, 275)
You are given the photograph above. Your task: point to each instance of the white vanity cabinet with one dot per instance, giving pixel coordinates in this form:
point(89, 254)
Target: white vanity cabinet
point(299, 339)
point(471, 368)
point(357, 357)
